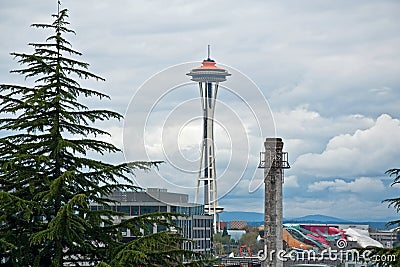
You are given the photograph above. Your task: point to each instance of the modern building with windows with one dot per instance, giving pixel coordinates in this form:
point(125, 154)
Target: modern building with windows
point(196, 227)
point(387, 238)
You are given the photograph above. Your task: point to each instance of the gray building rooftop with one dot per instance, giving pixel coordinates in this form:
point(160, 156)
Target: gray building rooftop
point(153, 195)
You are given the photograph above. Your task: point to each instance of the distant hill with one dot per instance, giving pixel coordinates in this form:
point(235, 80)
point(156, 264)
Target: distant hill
point(256, 218)
point(318, 218)
point(228, 216)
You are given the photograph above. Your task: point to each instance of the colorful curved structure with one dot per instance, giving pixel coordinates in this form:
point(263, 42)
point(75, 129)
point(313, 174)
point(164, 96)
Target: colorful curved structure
point(304, 236)
point(309, 236)
point(320, 236)
point(293, 242)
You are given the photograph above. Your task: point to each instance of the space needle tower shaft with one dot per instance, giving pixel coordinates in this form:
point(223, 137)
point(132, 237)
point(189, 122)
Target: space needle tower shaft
point(208, 76)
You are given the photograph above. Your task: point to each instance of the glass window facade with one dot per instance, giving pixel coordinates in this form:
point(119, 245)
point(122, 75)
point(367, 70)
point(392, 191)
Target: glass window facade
point(124, 209)
point(148, 209)
point(161, 228)
point(134, 210)
point(197, 227)
point(193, 210)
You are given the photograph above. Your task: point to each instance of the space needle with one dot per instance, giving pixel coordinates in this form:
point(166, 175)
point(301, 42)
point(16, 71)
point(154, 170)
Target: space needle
point(208, 75)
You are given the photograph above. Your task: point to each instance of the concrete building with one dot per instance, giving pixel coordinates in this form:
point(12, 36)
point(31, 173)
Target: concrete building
point(386, 238)
point(196, 227)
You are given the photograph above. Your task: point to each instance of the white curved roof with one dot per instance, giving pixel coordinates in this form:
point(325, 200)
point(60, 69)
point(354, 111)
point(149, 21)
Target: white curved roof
point(362, 238)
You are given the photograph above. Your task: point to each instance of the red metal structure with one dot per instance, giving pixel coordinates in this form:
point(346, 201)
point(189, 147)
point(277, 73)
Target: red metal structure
point(247, 248)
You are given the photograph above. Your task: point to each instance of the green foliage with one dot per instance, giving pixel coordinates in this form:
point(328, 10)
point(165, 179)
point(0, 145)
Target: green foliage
point(222, 243)
point(161, 249)
point(222, 239)
point(47, 179)
point(250, 239)
point(394, 202)
point(389, 256)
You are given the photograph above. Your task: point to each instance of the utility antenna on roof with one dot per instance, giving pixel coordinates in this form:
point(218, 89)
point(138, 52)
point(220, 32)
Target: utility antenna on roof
point(208, 52)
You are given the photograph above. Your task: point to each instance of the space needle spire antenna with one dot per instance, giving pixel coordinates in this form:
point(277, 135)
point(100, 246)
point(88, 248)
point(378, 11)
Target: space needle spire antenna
point(208, 76)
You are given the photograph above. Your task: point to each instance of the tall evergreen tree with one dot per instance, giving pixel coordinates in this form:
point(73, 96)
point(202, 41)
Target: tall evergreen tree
point(47, 179)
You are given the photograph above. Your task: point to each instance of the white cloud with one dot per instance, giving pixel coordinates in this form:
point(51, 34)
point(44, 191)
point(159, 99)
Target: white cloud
point(370, 151)
point(364, 185)
point(381, 91)
point(304, 122)
point(306, 131)
point(291, 181)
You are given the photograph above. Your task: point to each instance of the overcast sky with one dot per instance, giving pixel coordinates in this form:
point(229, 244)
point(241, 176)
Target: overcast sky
point(322, 75)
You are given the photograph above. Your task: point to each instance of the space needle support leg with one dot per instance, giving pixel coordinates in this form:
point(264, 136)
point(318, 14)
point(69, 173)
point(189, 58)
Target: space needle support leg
point(214, 176)
point(196, 197)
